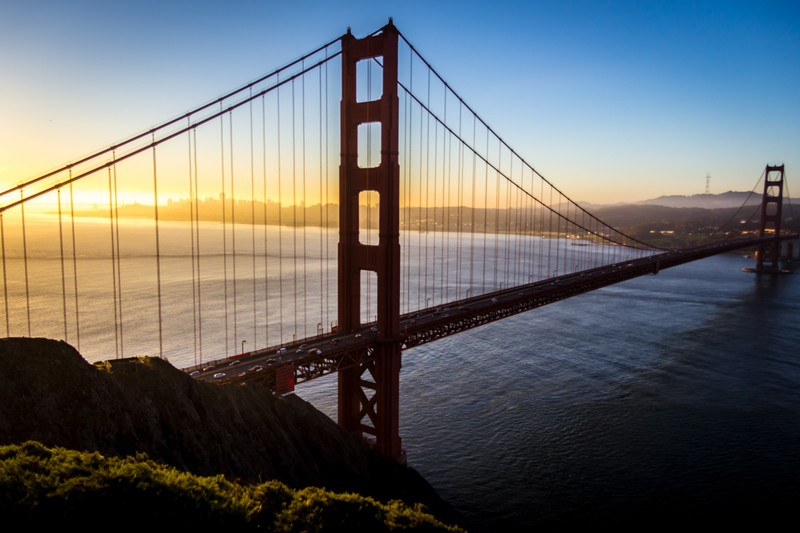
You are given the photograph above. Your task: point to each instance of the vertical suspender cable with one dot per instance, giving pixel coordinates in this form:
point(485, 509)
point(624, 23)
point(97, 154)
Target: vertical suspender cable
point(497, 230)
point(548, 273)
point(253, 221)
point(525, 227)
point(158, 255)
point(233, 239)
point(405, 223)
point(447, 168)
point(327, 184)
point(571, 230)
point(427, 185)
point(192, 231)
point(522, 217)
point(435, 172)
point(280, 219)
point(509, 237)
point(421, 190)
point(427, 181)
point(25, 262)
point(224, 226)
point(540, 258)
point(119, 269)
point(327, 221)
point(511, 249)
point(533, 227)
point(324, 159)
point(558, 220)
point(322, 225)
point(113, 263)
point(584, 235)
point(472, 208)
point(294, 210)
point(485, 212)
point(525, 217)
point(559, 253)
point(63, 274)
point(305, 207)
point(568, 230)
point(513, 197)
point(74, 263)
point(459, 194)
point(414, 196)
point(567, 219)
point(447, 142)
point(266, 215)
point(516, 221)
point(5, 276)
point(327, 188)
point(197, 251)
point(520, 223)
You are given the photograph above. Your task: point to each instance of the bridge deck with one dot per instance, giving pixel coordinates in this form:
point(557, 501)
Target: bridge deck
point(325, 354)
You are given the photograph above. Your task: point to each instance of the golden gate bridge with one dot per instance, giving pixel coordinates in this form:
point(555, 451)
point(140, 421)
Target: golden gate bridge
point(319, 219)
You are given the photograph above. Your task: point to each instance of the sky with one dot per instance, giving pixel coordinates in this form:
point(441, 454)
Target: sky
point(611, 101)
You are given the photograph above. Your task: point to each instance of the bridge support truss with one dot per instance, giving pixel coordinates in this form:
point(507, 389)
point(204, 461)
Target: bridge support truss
point(369, 395)
point(769, 254)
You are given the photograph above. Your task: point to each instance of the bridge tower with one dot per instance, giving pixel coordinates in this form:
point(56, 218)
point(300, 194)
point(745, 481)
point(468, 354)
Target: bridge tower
point(369, 394)
point(769, 254)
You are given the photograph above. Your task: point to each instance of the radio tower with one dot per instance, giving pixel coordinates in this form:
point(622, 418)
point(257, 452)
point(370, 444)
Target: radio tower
point(708, 183)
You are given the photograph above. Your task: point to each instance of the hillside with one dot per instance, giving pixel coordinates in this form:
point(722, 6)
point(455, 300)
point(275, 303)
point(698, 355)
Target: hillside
point(724, 200)
point(50, 394)
point(677, 209)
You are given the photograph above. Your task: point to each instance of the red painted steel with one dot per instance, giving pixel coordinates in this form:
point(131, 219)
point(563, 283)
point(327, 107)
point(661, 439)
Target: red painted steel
point(284, 379)
point(369, 395)
point(769, 254)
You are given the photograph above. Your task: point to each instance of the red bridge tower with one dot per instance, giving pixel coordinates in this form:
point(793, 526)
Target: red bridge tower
point(769, 254)
point(369, 394)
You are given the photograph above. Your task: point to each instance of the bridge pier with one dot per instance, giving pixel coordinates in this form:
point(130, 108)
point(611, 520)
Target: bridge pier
point(369, 397)
point(769, 256)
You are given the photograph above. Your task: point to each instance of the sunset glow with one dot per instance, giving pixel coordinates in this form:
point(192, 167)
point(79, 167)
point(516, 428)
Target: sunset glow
point(612, 103)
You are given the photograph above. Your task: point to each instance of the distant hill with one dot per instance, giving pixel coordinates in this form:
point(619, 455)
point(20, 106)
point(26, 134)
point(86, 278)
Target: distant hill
point(707, 201)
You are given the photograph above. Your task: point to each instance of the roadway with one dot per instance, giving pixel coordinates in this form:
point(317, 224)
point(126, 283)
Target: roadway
point(282, 367)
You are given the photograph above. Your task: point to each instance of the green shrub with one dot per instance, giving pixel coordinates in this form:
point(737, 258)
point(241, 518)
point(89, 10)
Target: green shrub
point(42, 486)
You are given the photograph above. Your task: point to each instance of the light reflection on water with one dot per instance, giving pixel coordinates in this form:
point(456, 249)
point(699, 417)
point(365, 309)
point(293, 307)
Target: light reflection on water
point(655, 399)
point(679, 391)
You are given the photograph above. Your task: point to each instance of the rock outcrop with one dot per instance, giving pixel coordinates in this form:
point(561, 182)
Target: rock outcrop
point(50, 394)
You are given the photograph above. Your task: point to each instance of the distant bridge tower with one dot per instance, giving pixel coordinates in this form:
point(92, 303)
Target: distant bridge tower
point(369, 394)
point(708, 183)
point(769, 254)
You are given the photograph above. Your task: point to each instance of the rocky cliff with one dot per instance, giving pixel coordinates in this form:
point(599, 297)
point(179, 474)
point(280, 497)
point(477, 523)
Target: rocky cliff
point(50, 394)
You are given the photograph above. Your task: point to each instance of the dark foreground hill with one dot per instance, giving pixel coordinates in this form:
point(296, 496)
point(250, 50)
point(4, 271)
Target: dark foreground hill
point(50, 394)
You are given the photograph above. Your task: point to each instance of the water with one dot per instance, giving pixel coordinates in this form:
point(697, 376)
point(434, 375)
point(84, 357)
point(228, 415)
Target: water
point(667, 399)
point(657, 399)
point(115, 291)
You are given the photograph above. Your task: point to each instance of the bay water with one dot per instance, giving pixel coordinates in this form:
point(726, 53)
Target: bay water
point(669, 398)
